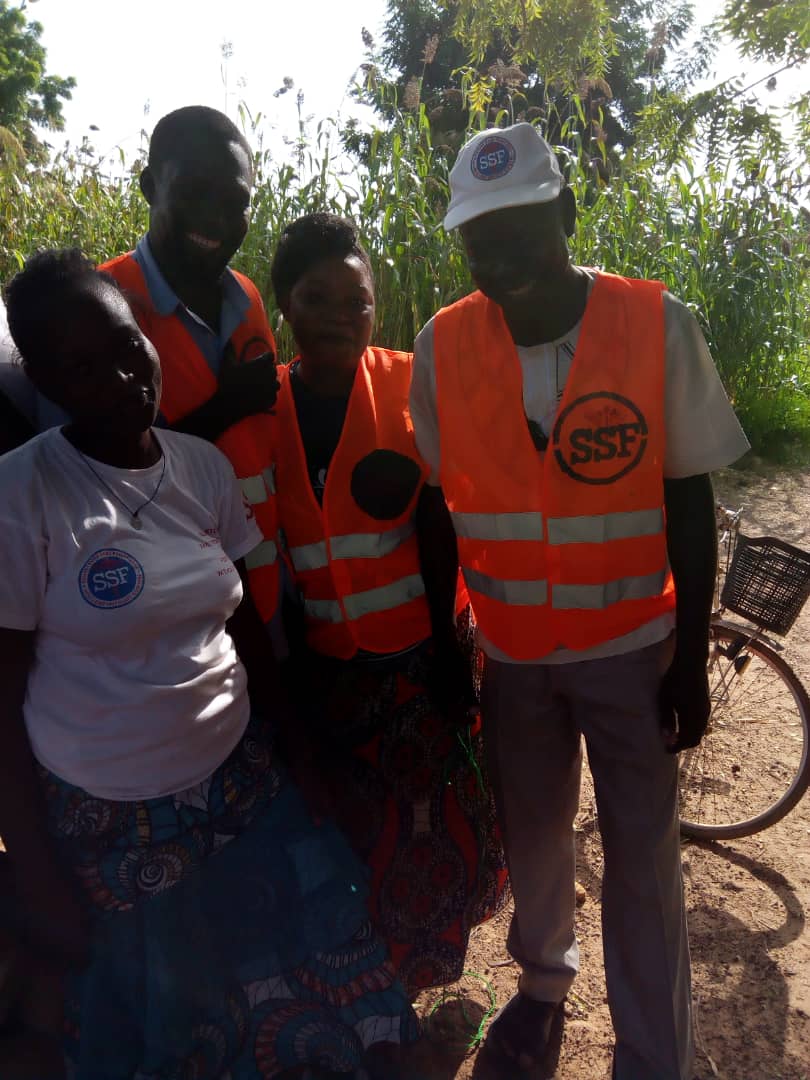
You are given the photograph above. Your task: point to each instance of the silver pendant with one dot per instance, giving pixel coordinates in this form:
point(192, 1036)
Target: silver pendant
point(136, 522)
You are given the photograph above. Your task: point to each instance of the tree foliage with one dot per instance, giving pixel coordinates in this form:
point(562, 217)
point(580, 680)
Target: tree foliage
point(730, 243)
point(29, 97)
point(563, 39)
point(530, 60)
point(773, 30)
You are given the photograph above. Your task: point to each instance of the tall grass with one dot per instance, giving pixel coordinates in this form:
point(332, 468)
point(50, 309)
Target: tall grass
point(733, 247)
point(73, 202)
point(398, 201)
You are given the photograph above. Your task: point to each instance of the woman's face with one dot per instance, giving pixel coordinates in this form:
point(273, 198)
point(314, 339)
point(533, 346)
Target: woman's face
point(99, 366)
point(330, 310)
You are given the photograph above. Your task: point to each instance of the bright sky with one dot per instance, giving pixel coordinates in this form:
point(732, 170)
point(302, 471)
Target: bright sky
point(133, 62)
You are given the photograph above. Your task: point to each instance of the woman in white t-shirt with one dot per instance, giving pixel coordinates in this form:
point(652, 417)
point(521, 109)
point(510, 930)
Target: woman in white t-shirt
point(129, 756)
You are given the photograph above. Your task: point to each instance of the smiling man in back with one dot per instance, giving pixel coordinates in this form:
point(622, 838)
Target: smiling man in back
point(207, 321)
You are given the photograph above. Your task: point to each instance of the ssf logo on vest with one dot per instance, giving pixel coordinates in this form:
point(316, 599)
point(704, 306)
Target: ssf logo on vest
point(111, 579)
point(599, 438)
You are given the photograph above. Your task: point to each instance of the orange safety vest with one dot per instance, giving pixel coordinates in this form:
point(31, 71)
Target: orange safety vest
point(359, 577)
point(566, 548)
point(188, 382)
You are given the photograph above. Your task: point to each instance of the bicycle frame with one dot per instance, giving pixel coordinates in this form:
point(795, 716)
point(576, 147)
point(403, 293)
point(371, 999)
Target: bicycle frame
point(732, 763)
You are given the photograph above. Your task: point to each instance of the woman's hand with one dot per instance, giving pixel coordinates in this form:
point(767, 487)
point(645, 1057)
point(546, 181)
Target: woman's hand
point(31, 1016)
point(47, 912)
point(301, 759)
point(50, 919)
point(451, 681)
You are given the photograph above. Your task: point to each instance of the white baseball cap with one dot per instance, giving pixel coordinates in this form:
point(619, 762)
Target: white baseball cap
point(512, 166)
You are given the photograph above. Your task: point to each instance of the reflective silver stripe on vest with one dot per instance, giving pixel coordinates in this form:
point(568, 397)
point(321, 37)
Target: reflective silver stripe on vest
point(254, 489)
point(383, 598)
point(602, 528)
point(325, 610)
point(263, 555)
point(524, 526)
point(370, 545)
point(309, 556)
point(597, 597)
point(351, 546)
point(518, 593)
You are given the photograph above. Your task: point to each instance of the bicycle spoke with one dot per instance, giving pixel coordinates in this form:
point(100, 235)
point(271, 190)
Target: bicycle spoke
point(755, 747)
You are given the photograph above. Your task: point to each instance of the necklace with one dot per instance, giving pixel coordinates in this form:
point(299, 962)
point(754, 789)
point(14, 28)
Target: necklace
point(134, 515)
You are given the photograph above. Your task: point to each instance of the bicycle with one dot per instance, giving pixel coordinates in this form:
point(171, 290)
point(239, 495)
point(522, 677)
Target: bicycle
point(753, 764)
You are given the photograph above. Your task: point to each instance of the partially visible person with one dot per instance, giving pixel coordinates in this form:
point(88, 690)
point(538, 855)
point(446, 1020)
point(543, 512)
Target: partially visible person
point(159, 853)
point(384, 651)
point(17, 396)
point(571, 417)
point(207, 321)
point(5, 341)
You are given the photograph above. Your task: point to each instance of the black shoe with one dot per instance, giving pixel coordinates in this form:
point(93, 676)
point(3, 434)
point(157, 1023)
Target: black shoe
point(521, 1034)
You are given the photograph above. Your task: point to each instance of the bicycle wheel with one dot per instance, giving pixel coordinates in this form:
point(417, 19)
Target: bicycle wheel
point(753, 765)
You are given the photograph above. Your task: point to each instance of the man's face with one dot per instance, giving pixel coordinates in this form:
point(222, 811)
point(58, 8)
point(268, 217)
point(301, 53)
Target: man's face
point(199, 207)
point(517, 252)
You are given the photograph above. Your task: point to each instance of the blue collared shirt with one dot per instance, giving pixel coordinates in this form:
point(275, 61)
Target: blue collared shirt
point(211, 343)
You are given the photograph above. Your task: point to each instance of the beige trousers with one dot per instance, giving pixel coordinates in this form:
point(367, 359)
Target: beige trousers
point(533, 718)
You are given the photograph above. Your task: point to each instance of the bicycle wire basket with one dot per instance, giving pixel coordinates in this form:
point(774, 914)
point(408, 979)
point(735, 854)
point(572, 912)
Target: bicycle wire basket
point(768, 582)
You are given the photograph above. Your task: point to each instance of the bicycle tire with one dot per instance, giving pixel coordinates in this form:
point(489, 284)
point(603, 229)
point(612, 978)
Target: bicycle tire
point(757, 746)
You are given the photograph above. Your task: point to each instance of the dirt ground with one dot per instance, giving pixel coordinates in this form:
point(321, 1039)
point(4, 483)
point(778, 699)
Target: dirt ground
point(746, 901)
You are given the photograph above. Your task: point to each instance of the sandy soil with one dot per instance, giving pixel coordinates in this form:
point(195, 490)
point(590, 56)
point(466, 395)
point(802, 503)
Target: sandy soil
point(746, 901)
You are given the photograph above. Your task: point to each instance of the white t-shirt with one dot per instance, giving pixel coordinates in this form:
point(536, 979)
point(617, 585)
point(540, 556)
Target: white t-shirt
point(702, 432)
point(136, 690)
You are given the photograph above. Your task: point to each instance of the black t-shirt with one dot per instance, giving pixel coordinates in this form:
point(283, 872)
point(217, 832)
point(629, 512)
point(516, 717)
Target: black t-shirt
point(320, 421)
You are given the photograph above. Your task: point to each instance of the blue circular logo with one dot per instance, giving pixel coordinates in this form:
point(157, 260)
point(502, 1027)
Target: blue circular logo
point(111, 579)
point(493, 159)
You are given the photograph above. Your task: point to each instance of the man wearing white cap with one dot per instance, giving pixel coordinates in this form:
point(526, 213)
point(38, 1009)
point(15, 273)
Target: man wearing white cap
point(571, 418)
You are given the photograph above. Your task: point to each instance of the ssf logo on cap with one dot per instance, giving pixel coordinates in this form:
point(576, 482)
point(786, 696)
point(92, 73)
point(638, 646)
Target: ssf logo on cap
point(511, 166)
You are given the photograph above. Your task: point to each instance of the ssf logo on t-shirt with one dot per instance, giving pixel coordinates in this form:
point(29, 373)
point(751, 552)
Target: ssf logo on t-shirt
point(111, 579)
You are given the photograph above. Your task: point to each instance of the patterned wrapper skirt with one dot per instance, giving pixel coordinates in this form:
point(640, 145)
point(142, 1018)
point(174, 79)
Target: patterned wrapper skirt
point(410, 793)
point(230, 934)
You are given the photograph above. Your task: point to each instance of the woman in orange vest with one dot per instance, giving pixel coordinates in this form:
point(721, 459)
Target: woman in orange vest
point(383, 649)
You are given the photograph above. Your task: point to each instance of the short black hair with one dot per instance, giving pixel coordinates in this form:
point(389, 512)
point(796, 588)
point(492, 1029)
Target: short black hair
point(309, 240)
point(186, 128)
point(47, 279)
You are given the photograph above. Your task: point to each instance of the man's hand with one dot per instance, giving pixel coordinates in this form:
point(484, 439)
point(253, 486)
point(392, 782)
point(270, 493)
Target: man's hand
point(244, 389)
point(249, 387)
point(692, 549)
point(684, 704)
